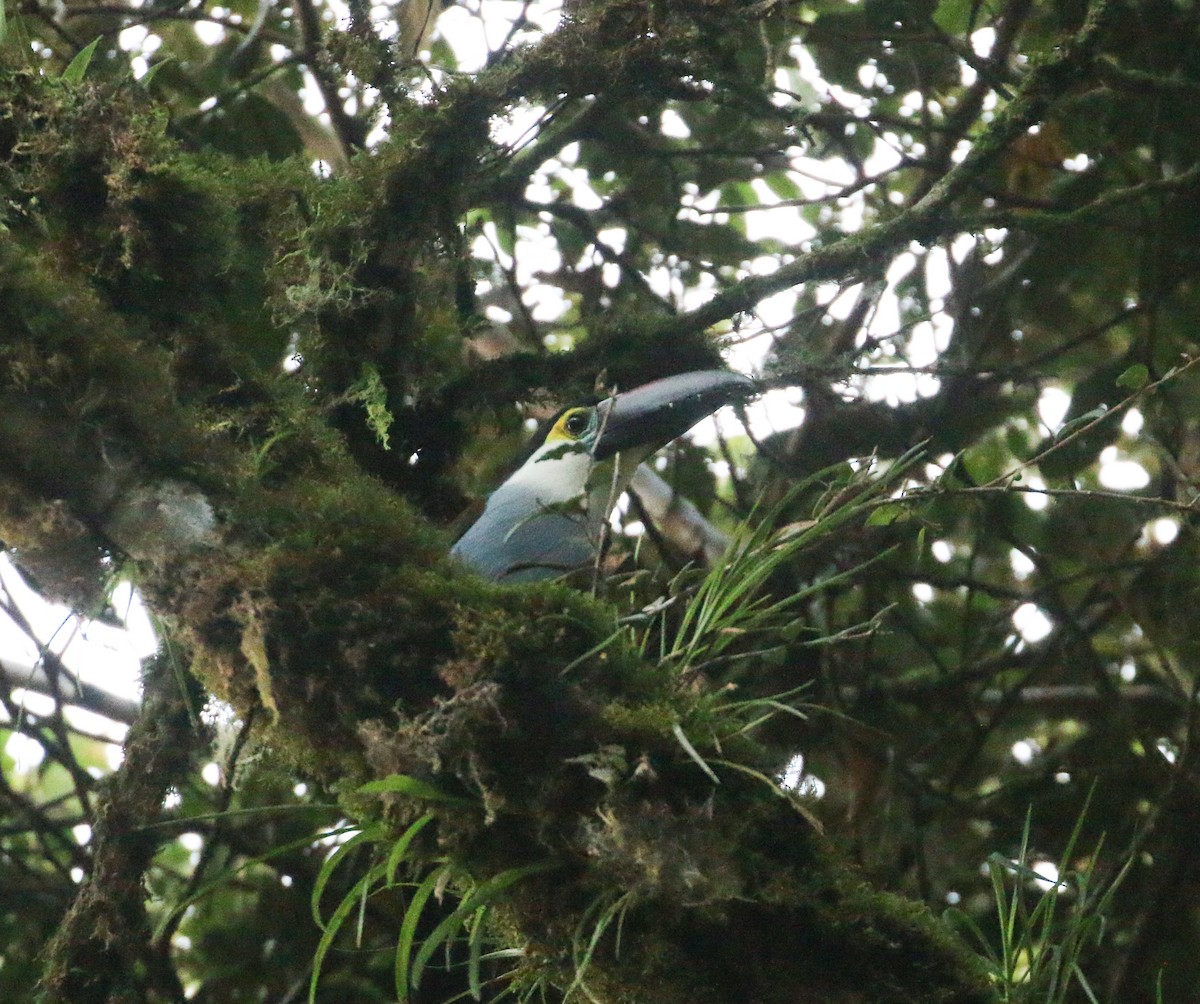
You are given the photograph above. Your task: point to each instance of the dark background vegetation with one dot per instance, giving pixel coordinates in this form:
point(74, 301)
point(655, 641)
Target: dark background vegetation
point(166, 243)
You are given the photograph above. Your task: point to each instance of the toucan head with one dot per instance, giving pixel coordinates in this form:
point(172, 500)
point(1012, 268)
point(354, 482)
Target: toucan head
point(647, 417)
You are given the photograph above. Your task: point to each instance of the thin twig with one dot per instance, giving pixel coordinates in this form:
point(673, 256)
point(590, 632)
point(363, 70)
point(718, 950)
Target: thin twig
point(1116, 409)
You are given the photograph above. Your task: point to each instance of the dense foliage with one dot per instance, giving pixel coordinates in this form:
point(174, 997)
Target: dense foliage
point(274, 278)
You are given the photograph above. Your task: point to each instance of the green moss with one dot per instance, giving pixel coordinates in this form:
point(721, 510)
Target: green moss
point(641, 721)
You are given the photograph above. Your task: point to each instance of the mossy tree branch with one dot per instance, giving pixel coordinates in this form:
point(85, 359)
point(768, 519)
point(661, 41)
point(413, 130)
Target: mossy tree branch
point(103, 950)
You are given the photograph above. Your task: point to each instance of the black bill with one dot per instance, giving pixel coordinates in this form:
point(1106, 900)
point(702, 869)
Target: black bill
point(655, 413)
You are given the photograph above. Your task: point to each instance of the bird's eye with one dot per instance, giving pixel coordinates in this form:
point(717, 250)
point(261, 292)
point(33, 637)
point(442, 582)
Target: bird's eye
point(576, 423)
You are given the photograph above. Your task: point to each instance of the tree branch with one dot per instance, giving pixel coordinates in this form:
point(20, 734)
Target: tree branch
point(79, 693)
point(927, 219)
point(105, 938)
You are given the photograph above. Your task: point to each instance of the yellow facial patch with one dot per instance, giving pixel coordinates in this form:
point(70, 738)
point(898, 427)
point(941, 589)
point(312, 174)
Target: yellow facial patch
point(572, 425)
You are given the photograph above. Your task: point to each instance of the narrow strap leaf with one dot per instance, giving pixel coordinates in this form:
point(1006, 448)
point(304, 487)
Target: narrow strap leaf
point(400, 848)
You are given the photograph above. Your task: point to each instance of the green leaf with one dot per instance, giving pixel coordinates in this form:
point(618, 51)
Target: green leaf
point(887, 514)
point(331, 863)
point(1134, 378)
point(478, 926)
point(400, 848)
point(954, 16)
point(1081, 422)
point(344, 909)
point(690, 750)
point(78, 66)
point(481, 896)
point(605, 910)
point(147, 78)
point(956, 475)
point(783, 186)
point(226, 878)
point(403, 784)
point(408, 930)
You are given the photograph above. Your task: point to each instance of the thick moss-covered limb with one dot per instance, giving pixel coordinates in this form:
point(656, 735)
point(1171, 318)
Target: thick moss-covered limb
point(65, 357)
point(94, 180)
point(104, 952)
point(339, 615)
point(523, 702)
point(63, 468)
point(87, 464)
point(365, 268)
point(581, 769)
point(719, 893)
point(733, 897)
